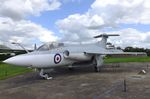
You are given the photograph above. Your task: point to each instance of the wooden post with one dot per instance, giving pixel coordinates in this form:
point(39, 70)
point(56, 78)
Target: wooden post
point(124, 86)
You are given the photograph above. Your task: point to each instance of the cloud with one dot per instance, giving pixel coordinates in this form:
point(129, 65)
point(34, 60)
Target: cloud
point(130, 37)
point(125, 11)
point(24, 32)
point(19, 9)
point(76, 26)
point(105, 14)
point(15, 27)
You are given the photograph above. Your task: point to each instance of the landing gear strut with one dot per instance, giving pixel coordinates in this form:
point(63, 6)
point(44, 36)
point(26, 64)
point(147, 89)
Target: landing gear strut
point(99, 62)
point(45, 75)
point(70, 67)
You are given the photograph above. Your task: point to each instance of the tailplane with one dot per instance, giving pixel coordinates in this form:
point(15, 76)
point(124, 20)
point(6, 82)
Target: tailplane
point(104, 38)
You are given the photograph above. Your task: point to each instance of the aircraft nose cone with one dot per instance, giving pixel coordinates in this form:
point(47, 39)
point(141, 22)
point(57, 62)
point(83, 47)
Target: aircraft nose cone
point(17, 60)
point(11, 60)
point(6, 61)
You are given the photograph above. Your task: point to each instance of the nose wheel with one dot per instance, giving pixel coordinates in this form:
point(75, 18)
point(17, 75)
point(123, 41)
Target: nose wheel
point(45, 75)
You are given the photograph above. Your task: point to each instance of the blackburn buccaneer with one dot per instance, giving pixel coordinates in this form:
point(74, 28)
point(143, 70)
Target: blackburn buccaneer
point(51, 55)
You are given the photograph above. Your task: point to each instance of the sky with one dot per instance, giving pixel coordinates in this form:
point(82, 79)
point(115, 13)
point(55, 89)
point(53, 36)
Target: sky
point(39, 21)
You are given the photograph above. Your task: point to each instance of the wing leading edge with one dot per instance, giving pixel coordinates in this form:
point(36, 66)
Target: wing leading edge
point(114, 53)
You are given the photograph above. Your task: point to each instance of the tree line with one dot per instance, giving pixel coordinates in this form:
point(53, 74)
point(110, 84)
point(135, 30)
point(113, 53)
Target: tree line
point(136, 49)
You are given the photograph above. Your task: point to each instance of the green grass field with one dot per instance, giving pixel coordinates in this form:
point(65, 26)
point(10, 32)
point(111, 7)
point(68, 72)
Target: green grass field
point(131, 59)
point(7, 70)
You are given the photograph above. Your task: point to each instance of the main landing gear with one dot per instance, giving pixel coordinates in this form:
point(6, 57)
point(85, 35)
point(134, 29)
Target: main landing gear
point(45, 75)
point(97, 69)
point(99, 62)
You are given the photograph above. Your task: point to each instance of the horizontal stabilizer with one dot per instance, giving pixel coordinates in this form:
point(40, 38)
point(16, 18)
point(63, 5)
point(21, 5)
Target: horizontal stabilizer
point(105, 35)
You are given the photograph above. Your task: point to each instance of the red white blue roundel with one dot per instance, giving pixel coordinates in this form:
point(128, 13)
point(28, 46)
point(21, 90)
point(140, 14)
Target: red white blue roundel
point(57, 58)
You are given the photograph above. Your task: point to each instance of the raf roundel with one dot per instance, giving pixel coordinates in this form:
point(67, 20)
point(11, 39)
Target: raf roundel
point(57, 58)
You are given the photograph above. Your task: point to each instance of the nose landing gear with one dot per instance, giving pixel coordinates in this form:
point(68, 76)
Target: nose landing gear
point(45, 75)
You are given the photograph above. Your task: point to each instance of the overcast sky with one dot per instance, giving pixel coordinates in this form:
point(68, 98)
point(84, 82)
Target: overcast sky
point(37, 21)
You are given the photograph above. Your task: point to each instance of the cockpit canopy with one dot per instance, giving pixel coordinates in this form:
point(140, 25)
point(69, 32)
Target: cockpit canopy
point(49, 46)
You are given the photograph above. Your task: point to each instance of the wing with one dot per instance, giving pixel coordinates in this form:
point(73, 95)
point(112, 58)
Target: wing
point(114, 52)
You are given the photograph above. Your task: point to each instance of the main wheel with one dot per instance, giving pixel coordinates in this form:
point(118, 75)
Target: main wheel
point(71, 68)
point(97, 69)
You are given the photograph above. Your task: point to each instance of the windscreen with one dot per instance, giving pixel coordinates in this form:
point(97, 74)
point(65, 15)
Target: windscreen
point(49, 46)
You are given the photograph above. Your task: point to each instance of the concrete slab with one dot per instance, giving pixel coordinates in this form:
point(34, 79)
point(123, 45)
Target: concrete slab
point(82, 83)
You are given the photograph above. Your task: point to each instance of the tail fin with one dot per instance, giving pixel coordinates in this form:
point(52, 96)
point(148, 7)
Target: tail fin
point(104, 38)
point(35, 47)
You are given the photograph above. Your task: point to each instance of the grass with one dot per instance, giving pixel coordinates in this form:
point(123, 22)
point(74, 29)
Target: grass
point(7, 70)
point(131, 59)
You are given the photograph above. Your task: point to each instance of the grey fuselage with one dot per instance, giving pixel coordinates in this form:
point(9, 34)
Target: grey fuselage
point(56, 57)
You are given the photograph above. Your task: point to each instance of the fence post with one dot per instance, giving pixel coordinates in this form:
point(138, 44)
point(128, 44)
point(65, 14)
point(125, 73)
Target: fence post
point(124, 86)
